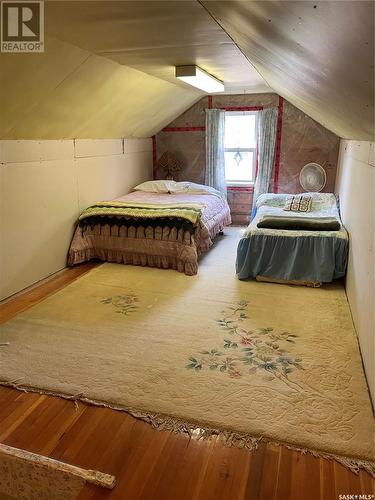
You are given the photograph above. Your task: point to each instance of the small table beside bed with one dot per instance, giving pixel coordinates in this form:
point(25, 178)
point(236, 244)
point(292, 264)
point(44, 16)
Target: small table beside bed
point(293, 241)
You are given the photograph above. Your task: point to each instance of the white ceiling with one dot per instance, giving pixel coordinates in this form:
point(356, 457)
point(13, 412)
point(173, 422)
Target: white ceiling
point(318, 55)
point(154, 37)
point(67, 92)
point(108, 68)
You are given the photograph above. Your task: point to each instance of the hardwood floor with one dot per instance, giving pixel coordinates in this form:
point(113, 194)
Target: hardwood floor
point(151, 464)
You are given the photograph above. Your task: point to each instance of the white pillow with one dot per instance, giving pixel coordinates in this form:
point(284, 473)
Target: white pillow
point(192, 187)
point(271, 200)
point(162, 186)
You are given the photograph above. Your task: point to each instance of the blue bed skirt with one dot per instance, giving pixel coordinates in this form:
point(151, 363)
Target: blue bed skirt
point(304, 258)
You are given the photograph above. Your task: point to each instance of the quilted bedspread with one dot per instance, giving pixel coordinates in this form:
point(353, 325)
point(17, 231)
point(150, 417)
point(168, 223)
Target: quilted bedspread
point(154, 229)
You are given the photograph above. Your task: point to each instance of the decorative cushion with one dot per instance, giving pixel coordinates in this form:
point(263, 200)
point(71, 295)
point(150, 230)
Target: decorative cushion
point(298, 203)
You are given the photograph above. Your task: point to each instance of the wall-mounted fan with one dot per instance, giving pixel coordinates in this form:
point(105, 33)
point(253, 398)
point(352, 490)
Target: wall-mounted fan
point(312, 177)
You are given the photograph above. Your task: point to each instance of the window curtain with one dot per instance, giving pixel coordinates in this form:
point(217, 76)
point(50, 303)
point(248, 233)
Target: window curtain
point(215, 166)
point(267, 131)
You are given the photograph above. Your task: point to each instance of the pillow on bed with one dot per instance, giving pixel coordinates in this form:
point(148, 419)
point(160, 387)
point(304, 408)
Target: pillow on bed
point(192, 187)
point(298, 203)
point(162, 186)
point(323, 201)
point(271, 200)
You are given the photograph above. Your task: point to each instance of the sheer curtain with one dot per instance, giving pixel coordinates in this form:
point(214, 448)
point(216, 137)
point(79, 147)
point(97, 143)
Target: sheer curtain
point(215, 166)
point(267, 131)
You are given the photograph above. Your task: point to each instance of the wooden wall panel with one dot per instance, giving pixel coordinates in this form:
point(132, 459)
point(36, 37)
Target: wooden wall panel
point(43, 188)
point(111, 178)
point(137, 145)
point(27, 151)
point(92, 148)
point(38, 210)
point(356, 189)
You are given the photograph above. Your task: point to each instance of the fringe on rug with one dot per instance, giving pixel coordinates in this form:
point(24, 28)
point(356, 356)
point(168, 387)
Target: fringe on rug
point(195, 430)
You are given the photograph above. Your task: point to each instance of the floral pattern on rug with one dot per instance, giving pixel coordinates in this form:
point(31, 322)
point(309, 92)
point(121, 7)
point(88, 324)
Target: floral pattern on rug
point(249, 351)
point(124, 304)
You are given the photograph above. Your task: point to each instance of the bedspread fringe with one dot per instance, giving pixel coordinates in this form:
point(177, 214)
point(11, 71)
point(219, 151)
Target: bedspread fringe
point(204, 244)
point(133, 258)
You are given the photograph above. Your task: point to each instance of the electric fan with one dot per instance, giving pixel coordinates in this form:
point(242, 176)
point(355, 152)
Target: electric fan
point(312, 177)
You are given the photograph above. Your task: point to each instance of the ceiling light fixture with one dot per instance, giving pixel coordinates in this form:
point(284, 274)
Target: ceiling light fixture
point(198, 78)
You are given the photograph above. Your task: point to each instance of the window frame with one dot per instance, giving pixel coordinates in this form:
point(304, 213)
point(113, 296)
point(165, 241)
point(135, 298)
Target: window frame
point(254, 150)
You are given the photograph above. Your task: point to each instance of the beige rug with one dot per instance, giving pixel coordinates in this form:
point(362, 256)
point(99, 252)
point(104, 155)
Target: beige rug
point(253, 359)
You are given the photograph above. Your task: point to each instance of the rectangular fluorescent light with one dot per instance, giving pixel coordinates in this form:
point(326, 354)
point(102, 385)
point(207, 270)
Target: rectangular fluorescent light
point(198, 78)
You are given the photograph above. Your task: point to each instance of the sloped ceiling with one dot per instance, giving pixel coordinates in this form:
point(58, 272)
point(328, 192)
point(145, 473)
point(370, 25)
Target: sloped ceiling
point(70, 93)
point(153, 37)
point(318, 55)
point(107, 70)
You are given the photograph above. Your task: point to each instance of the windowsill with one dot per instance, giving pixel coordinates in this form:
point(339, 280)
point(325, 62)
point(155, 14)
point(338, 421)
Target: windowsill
point(247, 186)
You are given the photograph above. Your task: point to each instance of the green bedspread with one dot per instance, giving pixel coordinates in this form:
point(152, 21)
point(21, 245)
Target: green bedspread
point(118, 210)
point(299, 223)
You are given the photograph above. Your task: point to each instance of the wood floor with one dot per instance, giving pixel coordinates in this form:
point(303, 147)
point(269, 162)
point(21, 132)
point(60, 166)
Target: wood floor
point(151, 464)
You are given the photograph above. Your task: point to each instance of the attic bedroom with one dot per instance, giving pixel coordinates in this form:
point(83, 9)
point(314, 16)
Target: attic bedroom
point(187, 250)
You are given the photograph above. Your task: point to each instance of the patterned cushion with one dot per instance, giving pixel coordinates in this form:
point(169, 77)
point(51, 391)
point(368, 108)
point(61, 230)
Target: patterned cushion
point(298, 203)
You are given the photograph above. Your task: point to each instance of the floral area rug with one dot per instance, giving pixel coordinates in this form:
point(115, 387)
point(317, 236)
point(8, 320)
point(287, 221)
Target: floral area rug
point(248, 360)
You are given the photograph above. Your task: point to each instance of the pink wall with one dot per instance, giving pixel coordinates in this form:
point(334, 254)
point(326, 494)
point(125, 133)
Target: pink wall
point(302, 141)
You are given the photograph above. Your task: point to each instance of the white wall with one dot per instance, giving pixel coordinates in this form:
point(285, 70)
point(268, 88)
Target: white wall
point(44, 185)
point(356, 187)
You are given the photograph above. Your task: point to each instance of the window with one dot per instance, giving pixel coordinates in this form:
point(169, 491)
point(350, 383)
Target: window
point(240, 147)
